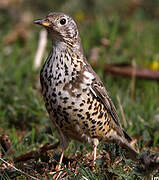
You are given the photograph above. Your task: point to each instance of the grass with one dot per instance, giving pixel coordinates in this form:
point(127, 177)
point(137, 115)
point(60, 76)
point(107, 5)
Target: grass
point(24, 118)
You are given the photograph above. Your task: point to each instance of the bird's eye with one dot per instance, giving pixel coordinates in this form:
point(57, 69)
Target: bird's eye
point(63, 21)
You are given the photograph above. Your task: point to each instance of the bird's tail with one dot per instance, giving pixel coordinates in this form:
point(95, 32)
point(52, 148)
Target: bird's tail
point(130, 146)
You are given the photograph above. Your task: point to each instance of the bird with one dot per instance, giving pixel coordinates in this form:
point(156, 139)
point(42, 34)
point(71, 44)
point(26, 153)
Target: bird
point(77, 102)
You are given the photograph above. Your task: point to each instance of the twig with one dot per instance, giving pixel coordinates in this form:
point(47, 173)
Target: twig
point(126, 70)
point(18, 169)
point(41, 48)
point(121, 111)
point(34, 154)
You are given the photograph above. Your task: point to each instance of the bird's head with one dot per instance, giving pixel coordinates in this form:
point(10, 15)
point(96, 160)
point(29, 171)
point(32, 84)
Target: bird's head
point(61, 27)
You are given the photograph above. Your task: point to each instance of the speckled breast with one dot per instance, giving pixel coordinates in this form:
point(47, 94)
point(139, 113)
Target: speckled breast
point(69, 99)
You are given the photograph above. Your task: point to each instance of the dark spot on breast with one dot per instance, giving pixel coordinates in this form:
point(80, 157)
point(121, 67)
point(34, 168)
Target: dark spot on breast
point(88, 115)
point(85, 124)
point(50, 70)
point(64, 101)
point(46, 98)
point(94, 136)
point(76, 122)
point(69, 107)
point(81, 104)
point(46, 104)
point(93, 121)
point(49, 77)
point(100, 123)
point(84, 90)
point(53, 94)
point(96, 108)
point(60, 82)
point(57, 65)
point(66, 119)
point(75, 65)
point(88, 100)
point(46, 86)
point(65, 98)
point(66, 73)
point(92, 127)
point(100, 128)
point(65, 113)
point(95, 113)
point(100, 107)
point(54, 89)
point(90, 107)
point(78, 57)
point(105, 123)
point(82, 117)
point(79, 115)
point(59, 107)
point(100, 115)
point(54, 101)
point(65, 66)
point(78, 95)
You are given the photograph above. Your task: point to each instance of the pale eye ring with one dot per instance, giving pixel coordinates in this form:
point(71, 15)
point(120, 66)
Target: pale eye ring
point(63, 21)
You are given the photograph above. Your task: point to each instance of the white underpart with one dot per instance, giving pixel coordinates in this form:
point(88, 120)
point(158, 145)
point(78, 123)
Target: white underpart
point(88, 75)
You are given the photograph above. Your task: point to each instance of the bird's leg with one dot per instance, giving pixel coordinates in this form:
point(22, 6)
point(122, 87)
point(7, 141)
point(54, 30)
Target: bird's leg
point(95, 144)
point(58, 167)
point(64, 142)
point(94, 154)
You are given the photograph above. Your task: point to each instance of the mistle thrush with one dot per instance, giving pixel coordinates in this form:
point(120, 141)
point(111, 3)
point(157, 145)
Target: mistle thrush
point(76, 100)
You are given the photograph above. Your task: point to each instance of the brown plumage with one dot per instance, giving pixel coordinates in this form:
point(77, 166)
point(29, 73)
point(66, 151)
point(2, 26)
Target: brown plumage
point(76, 100)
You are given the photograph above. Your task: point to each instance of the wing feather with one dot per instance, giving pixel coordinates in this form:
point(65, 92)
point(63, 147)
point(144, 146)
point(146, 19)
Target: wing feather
point(103, 96)
point(99, 91)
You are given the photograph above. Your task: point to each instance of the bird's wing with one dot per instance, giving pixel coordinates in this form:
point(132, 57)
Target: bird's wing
point(99, 91)
point(103, 96)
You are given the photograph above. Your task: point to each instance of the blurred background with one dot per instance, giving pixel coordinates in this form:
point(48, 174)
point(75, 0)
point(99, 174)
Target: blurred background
point(124, 32)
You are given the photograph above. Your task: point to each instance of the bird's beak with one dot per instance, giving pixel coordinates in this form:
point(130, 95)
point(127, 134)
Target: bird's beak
point(43, 22)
